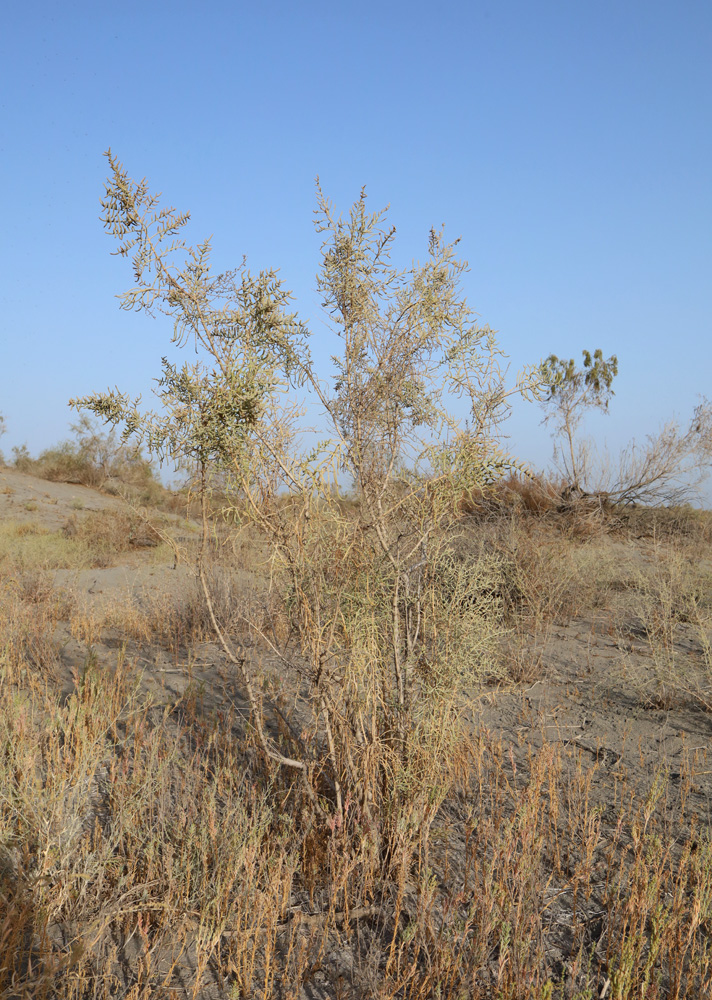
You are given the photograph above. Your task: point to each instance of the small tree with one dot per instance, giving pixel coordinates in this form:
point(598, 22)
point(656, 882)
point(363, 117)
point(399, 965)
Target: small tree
point(572, 391)
point(387, 624)
point(248, 347)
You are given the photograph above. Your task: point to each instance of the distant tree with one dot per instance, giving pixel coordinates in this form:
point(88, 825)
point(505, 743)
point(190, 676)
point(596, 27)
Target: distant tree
point(571, 391)
point(668, 468)
point(21, 458)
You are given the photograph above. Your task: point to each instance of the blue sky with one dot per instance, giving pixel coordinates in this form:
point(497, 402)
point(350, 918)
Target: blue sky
point(567, 143)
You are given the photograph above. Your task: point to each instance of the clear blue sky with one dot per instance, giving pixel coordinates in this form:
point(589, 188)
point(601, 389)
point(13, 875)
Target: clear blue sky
point(568, 143)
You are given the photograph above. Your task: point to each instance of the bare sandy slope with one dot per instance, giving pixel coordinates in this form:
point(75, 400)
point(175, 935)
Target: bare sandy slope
point(52, 506)
point(27, 498)
point(141, 580)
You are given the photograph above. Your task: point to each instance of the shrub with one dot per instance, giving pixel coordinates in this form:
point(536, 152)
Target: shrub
point(93, 459)
point(381, 626)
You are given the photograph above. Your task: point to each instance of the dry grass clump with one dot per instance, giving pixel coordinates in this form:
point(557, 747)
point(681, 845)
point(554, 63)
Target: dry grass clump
point(555, 555)
point(174, 623)
point(681, 525)
point(133, 853)
point(147, 855)
point(571, 511)
point(514, 494)
point(642, 574)
point(107, 534)
point(541, 575)
point(180, 620)
point(669, 621)
point(543, 894)
point(89, 540)
point(28, 546)
point(30, 610)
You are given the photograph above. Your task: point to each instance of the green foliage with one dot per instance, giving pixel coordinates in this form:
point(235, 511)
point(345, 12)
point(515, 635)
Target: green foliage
point(238, 320)
point(410, 345)
point(589, 385)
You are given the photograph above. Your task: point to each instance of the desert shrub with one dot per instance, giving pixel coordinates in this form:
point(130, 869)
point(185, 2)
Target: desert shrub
point(30, 610)
point(95, 459)
point(66, 464)
point(21, 458)
point(378, 626)
point(366, 591)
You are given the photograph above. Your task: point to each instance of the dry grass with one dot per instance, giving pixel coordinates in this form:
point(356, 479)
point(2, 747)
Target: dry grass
point(148, 852)
point(126, 838)
point(108, 535)
point(669, 621)
point(145, 854)
point(642, 573)
point(28, 546)
point(87, 541)
point(30, 610)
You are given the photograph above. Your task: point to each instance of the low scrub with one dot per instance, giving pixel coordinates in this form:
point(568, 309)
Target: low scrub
point(95, 459)
point(28, 546)
point(146, 853)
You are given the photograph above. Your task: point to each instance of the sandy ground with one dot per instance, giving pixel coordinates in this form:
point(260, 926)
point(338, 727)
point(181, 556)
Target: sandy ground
point(26, 498)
